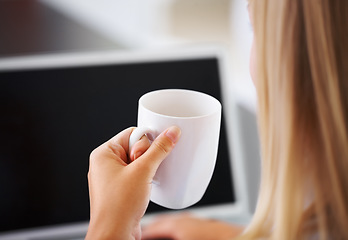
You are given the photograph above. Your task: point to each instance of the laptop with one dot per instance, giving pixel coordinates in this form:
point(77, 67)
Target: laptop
point(56, 108)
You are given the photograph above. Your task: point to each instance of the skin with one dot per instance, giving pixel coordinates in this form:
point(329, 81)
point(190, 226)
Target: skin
point(252, 62)
point(188, 227)
point(252, 65)
point(120, 186)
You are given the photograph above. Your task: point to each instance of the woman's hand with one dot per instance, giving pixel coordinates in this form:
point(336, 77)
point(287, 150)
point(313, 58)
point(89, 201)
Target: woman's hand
point(120, 183)
point(187, 227)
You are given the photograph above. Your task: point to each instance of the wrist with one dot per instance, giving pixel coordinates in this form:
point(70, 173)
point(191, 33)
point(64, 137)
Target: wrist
point(106, 231)
point(107, 235)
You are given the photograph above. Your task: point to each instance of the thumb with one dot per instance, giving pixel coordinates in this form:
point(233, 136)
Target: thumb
point(159, 149)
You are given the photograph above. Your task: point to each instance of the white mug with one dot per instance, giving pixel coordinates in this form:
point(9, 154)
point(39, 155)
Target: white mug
point(183, 177)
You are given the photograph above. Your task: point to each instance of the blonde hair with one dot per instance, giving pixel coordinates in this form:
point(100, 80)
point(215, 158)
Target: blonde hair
point(302, 84)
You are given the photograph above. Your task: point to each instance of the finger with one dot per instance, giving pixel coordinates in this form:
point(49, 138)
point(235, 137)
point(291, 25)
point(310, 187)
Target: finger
point(164, 227)
point(121, 139)
point(139, 148)
point(159, 150)
point(115, 148)
point(158, 230)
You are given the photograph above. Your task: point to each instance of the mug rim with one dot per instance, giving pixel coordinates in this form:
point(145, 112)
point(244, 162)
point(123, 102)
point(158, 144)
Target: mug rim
point(216, 109)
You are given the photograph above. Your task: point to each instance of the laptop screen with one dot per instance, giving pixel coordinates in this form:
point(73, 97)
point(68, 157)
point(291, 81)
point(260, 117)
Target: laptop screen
point(52, 118)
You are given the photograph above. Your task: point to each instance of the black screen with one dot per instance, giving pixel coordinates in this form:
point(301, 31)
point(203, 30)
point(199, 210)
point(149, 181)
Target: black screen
point(51, 119)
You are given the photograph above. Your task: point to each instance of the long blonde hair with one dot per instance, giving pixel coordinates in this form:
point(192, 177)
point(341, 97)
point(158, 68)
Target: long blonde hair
point(302, 84)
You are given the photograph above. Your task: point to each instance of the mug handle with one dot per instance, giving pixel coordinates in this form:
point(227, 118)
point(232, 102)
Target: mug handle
point(138, 133)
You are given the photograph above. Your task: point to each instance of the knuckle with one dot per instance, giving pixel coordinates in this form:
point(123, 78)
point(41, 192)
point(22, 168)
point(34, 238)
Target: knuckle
point(161, 146)
point(89, 176)
point(93, 157)
point(92, 154)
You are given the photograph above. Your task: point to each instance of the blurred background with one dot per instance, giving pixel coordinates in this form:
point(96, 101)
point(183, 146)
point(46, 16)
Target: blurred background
point(31, 27)
point(36, 27)
point(45, 26)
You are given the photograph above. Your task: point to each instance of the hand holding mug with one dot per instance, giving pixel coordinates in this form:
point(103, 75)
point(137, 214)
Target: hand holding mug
point(121, 179)
point(120, 188)
point(183, 177)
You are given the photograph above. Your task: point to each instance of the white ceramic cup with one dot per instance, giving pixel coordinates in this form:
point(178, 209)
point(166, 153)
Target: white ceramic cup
point(183, 177)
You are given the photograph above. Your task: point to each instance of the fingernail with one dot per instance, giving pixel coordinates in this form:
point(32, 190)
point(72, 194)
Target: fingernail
point(173, 133)
point(135, 156)
point(138, 154)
